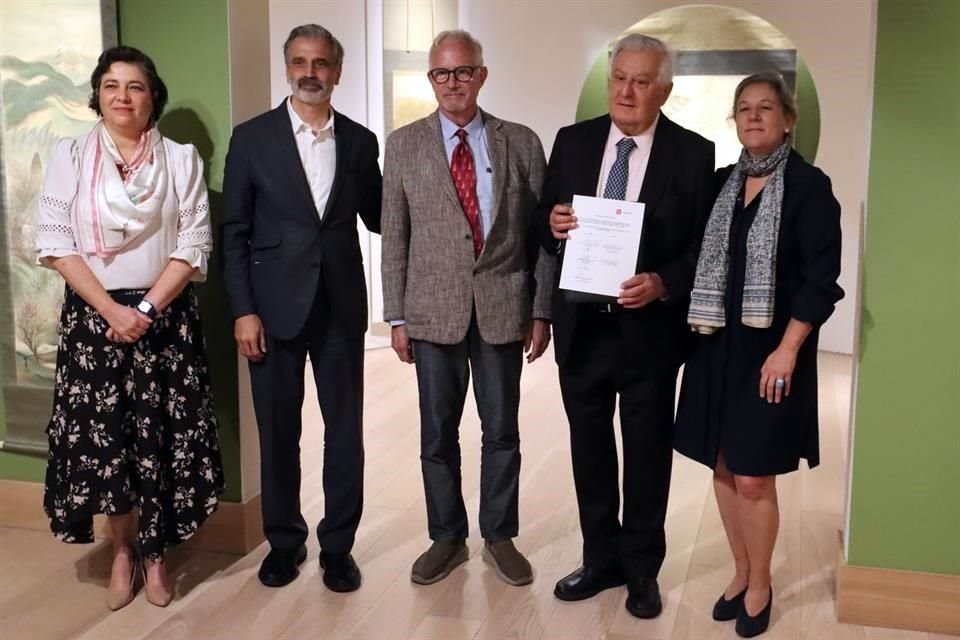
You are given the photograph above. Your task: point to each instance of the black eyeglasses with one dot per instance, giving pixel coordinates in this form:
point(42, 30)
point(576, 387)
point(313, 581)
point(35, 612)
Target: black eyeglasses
point(462, 74)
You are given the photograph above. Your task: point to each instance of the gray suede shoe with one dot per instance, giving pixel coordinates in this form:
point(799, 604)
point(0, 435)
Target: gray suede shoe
point(438, 561)
point(509, 563)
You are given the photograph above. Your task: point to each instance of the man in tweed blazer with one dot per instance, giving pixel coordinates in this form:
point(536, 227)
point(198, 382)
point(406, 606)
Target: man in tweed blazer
point(466, 288)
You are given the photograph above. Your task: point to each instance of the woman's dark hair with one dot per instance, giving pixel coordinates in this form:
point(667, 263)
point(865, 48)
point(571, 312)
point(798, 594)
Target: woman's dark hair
point(158, 90)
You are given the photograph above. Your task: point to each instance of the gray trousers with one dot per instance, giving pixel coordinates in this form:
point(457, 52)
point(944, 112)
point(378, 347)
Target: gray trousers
point(443, 374)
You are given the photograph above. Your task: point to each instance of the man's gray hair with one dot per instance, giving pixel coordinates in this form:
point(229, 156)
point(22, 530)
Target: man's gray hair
point(462, 36)
point(640, 42)
point(314, 31)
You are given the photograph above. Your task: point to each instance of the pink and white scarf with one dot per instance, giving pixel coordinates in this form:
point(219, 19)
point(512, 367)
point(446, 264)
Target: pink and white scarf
point(111, 211)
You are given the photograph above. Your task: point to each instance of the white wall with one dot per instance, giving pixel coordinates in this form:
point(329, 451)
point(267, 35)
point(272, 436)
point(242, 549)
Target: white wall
point(346, 20)
point(539, 52)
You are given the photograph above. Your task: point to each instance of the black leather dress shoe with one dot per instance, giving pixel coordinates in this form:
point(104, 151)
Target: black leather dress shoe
point(279, 568)
point(587, 582)
point(725, 610)
point(340, 572)
point(749, 626)
point(643, 598)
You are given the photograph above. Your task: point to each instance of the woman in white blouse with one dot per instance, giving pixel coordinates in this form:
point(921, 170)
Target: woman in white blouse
point(124, 219)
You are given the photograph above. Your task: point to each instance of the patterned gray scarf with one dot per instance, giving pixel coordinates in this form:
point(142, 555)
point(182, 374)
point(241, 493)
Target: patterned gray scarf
point(707, 313)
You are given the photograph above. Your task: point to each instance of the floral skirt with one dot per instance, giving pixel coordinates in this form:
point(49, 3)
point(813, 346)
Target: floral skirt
point(133, 426)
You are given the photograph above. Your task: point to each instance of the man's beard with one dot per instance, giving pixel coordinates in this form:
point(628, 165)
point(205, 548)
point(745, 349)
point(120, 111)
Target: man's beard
point(302, 90)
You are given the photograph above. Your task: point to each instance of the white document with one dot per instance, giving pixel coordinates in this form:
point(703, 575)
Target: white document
point(601, 253)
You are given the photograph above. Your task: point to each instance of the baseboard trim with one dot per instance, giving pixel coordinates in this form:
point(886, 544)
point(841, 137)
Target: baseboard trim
point(235, 527)
point(901, 599)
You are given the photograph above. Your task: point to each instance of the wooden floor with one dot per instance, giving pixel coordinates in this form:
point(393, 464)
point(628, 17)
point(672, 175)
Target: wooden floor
point(50, 590)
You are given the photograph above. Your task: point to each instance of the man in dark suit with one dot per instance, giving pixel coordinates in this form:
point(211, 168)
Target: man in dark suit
point(296, 178)
point(632, 347)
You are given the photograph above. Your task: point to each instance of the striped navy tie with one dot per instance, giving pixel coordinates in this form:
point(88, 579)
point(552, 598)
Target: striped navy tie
point(616, 188)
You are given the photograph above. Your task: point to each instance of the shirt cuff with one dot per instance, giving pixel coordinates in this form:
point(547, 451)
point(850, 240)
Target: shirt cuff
point(397, 323)
point(196, 258)
point(53, 253)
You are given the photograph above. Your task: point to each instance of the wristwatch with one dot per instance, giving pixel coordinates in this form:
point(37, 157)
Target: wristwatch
point(146, 308)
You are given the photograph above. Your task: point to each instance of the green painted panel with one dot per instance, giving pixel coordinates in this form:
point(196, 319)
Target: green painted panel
point(905, 510)
point(22, 467)
point(188, 41)
point(807, 132)
point(593, 96)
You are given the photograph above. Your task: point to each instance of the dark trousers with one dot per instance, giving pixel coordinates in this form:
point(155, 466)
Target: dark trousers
point(278, 385)
point(443, 373)
point(596, 372)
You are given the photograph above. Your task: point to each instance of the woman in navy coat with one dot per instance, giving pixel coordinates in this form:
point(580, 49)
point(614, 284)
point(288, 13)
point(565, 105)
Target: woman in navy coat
point(766, 281)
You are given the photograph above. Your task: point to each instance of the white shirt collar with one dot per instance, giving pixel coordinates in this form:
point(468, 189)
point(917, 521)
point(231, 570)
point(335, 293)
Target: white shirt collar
point(300, 126)
point(644, 139)
point(449, 128)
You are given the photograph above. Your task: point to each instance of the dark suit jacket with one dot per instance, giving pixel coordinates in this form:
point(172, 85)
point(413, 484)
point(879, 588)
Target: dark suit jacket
point(275, 245)
point(678, 193)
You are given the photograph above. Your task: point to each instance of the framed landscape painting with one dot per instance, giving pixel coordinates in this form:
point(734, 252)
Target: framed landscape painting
point(48, 49)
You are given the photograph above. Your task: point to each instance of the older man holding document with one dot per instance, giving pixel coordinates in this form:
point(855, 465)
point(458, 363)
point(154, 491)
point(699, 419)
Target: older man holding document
point(630, 344)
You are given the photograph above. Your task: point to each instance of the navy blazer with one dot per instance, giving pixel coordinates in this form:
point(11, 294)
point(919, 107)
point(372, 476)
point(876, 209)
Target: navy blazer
point(276, 246)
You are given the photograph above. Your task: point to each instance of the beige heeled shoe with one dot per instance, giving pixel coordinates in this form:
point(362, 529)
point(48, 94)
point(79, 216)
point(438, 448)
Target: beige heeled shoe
point(156, 595)
point(118, 599)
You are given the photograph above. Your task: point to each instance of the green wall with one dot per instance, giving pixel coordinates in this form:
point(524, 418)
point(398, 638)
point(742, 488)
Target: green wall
point(17, 466)
point(905, 501)
point(23, 467)
point(806, 137)
point(188, 41)
point(593, 96)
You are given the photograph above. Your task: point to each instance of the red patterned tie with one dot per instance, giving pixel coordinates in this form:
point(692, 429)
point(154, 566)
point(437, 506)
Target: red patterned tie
point(465, 180)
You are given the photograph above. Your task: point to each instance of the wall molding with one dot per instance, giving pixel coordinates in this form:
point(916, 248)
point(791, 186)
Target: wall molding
point(235, 528)
point(901, 599)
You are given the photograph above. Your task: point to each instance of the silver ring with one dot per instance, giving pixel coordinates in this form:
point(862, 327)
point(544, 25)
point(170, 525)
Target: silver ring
point(779, 383)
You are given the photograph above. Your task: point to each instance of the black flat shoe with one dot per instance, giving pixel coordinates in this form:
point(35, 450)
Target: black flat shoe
point(587, 582)
point(643, 598)
point(749, 626)
point(725, 610)
point(279, 568)
point(340, 572)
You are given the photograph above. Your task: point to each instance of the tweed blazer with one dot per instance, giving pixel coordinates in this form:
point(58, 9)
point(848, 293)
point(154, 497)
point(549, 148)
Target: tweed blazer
point(431, 279)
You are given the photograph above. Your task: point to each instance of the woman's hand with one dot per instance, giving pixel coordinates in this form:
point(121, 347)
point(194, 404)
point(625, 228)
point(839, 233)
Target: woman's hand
point(778, 367)
point(126, 324)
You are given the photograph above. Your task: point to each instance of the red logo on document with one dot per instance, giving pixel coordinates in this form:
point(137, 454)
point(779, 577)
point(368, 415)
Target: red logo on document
point(619, 211)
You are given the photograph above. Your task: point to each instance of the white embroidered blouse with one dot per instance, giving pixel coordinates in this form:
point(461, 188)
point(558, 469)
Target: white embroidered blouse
point(181, 230)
